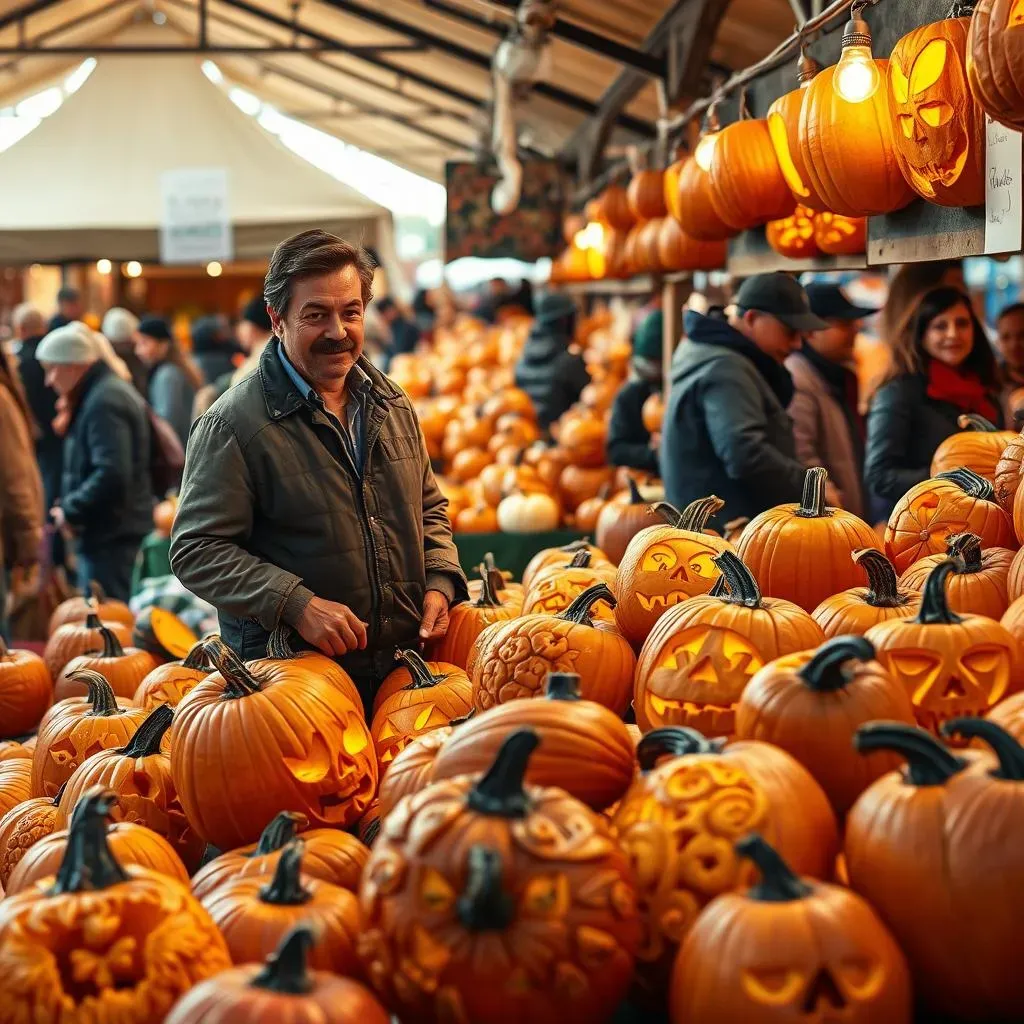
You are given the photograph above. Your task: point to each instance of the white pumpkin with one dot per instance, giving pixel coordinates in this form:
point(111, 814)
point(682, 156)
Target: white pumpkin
point(528, 513)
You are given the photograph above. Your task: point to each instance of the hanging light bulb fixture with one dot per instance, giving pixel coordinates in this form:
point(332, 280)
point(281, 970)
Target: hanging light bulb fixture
point(709, 136)
point(856, 76)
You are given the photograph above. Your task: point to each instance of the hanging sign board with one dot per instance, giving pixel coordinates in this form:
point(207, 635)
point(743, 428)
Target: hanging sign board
point(194, 224)
point(1004, 209)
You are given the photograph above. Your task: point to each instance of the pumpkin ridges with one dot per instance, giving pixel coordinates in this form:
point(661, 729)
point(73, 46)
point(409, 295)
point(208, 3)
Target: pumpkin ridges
point(24, 691)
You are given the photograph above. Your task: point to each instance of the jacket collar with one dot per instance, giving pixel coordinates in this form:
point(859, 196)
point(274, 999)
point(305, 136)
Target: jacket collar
point(833, 374)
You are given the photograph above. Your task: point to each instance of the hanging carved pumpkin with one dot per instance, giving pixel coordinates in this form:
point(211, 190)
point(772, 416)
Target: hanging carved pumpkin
point(794, 236)
point(995, 68)
point(836, 235)
point(678, 251)
point(951, 665)
point(77, 609)
point(938, 126)
point(506, 867)
point(697, 213)
point(124, 668)
point(170, 682)
point(1006, 477)
point(24, 691)
point(559, 556)
point(789, 948)
point(22, 827)
point(979, 447)
point(555, 588)
point(784, 130)
point(74, 638)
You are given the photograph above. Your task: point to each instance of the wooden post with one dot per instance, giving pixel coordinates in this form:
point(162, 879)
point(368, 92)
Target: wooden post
point(673, 294)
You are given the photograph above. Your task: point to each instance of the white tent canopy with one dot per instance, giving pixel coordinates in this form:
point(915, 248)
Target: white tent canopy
point(85, 184)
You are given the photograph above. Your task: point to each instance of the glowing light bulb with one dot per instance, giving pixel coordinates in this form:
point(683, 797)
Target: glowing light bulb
point(214, 269)
point(856, 78)
point(104, 267)
point(133, 268)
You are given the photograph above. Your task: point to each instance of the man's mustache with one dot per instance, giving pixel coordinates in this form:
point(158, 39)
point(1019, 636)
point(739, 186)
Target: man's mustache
point(331, 346)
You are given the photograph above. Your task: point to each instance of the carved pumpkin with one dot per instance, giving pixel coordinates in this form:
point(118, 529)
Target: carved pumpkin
point(282, 989)
point(666, 564)
point(810, 705)
point(1006, 477)
point(400, 677)
point(781, 544)
point(747, 186)
point(794, 236)
point(315, 753)
point(15, 783)
point(516, 657)
point(77, 609)
point(77, 728)
point(413, 768)
point(559, 556)
point(24, 691)
point(994, 66)
point(956, 502)
point(836, 235)
point(978, 586)
point(646, 195)
point(102, 941)
point(917, 850)
point(22, 827)
point(678, 251)
point(951, 665)
point(697, 213)
point(74, 638)
point(789, 949)
point(170, 682)
point(979, 446)
point(938, 126)
point(431, 700)
point(555, 588)
point(124, 668)
point(467, 621)
point(848, 150)
point(784, 131)
point(506, 867)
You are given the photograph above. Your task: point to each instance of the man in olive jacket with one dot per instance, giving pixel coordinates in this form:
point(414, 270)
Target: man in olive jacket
point(308, 499)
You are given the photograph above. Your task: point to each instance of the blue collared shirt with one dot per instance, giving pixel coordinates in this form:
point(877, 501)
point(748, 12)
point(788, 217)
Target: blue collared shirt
point(353, 433)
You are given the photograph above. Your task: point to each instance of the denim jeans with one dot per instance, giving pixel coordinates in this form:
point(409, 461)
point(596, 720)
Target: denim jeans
point(110, 566)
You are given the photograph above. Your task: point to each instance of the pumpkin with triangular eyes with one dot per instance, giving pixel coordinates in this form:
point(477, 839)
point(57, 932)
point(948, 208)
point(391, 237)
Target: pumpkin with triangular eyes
point(553, 589)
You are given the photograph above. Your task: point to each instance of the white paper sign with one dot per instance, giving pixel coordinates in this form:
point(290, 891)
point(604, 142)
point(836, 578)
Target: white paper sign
point(195, 226)
point(1004, 210)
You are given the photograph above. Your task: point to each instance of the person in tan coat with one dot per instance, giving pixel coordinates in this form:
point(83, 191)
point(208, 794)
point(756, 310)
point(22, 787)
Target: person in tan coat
point(827, 426)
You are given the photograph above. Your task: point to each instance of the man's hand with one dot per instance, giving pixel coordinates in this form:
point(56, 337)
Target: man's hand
point(434, 623)
point(331, 628)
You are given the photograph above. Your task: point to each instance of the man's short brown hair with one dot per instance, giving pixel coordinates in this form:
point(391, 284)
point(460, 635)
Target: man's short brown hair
point(309, 254)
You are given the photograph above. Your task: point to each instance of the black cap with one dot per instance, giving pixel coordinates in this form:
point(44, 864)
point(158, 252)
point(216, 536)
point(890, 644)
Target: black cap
point(255, 313)
point(782, 297)
point(829, 301)
point(155, 327)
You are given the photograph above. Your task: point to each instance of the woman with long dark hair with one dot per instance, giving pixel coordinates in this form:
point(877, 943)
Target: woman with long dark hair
point(943, 367)
point(173, 378)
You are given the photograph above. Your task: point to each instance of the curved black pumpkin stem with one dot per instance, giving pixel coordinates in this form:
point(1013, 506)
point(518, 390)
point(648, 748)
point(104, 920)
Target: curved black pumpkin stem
point(667, 511)
point(778, 882)
point(488, 592)
point(279, 832)
point(111, 645)
point(562, 686)
point(675, 741)
point(742, 587)
point(286, 969)
point(935, 610)
point(371, 832)
point(581, 560)
point(146, 740)
point(92, 619)
point(694, 518)
point(102, 702)
point(883, 586)
point(812, 503)
point(465, 718)
point(824, 673)
point(929, 763)
point(969, 482)
point(635, 497)
point(1005, 746)
point(966, 547)
point(579, 611)
point(422, 677)
point(59, 795)
point(497, 576)
point(196, 658)
point(499, 791)
point(238, 680)
point(971, 420)
point(286, 888)
point(279, 646)
point(88, 863)
point(484, 906)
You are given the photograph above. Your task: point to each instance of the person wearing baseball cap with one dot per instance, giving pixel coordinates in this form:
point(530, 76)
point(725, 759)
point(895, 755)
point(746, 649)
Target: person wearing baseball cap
point(726, 430)
point(827, 426)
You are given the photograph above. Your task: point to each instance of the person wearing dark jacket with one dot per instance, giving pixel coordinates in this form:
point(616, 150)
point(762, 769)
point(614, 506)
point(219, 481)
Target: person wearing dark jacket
point(404, 334)
point(106, 494)
point(214, 351)
point(943, 367)
point(173, 378)
point(551, 374)
point(69, 308)
point(629, 441)
point(726, 430)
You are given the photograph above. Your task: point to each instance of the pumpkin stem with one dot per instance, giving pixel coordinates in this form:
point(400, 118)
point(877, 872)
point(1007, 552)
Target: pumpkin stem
point(111, 645)
point(96, 592)
point(488, 593)
point(581, 560)
point(929, 763)
point(579, 611)
point(497, 576)
point(778, 882)
point(563, 686)
point(285, 970)
point(635, 497)
point(971, 420)
point(279, 832)
point(371, 832)
point(92, 619)
point(60, 793)
point(743, 588)
point(102, 702)
point(88, 863)
point(146, 740)
point(668, 512)
point(196, 657)
point(499, 791)
point(279, 646)
point(966, 547)
point(1004, 745)
point(422, 677)
point(484, 906)
point(935, 610)
point(883, 587)
point(238, 680)
point(676, 740)
point(719, 588)
point(696, 515)
point(286, 888)
point(812, 503)
point(464, 719)
point(969, 482)
point(824, 673)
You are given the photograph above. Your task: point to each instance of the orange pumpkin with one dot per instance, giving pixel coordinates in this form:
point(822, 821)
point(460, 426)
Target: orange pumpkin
point(1015, 577)
point(123, 667)
point(24, 691)
point(555, 588)
point(697, 214)
point(994, 67)
point(169, 683)
point(587, 514)
point(653, 413)
point(77, 637)
point(620, 521)
point(15, 783)
point(1007, 472)
point(836, 235)
point(646, 195)
point(583, 441)
point(678, 251)
point(467, 621)
point(576, 484)
point(22, 827)
point(784, 130)
point(78, 609)
point(548, 557)
point(979, 446)
point(413, 768)
point(794, 236)
point(614, 208)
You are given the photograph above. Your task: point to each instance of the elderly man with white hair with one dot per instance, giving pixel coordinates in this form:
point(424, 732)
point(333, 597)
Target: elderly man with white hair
point(118, 327)
point(105, 493)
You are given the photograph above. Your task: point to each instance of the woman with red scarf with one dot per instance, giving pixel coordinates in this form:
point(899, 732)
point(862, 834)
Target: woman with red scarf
point(943, 367)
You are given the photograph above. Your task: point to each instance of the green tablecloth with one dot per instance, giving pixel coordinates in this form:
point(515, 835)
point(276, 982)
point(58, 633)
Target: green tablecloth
point(153, 559)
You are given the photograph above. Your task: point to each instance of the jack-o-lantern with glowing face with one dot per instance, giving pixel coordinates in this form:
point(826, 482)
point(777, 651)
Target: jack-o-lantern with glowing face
point(840, 236)
point(952, 665)
point(664, 565)
point(793, 236)
point(702, 653)
point(938, 125)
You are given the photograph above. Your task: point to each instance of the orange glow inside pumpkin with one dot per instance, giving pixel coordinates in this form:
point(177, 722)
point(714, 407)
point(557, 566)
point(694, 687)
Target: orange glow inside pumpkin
point(780, 143)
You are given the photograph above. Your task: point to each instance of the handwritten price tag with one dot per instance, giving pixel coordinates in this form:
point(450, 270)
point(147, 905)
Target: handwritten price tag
point(1004, 173)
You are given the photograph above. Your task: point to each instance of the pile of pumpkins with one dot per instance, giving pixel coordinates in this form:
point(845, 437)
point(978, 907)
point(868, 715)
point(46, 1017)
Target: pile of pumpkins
point(818, 165)
point(497, 469)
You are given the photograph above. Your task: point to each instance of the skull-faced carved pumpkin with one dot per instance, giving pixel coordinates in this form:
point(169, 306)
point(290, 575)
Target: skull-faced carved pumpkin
point(956, 502)
point(701, 654)
point(666, 564)
point(793, 236)
point(790, 949)
point(994, 65)
point(836, 235)
point(555, 588)
point(488, 900)
point(939, 128)
point(952, 666)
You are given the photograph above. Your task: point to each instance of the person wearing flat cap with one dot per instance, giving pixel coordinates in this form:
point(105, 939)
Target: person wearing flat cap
point(828, 428)
point(629, 442)
point(173, 378)
point(727, 430)
point(551, 374)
